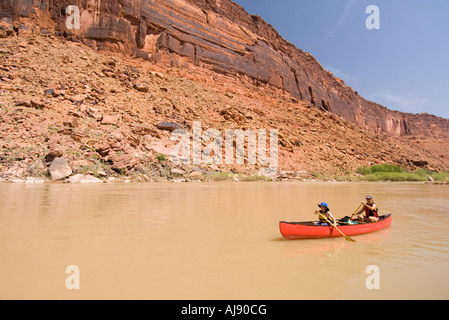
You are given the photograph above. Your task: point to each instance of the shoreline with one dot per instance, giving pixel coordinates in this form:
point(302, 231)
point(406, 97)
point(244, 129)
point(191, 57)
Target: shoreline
point(55, 168)
point(215, 177)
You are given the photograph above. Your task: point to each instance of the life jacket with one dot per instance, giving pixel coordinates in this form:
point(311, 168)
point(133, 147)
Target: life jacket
point(371, 213)
point(324, 214)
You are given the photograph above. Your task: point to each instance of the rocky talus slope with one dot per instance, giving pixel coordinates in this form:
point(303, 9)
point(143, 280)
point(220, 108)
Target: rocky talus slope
point(100, 113)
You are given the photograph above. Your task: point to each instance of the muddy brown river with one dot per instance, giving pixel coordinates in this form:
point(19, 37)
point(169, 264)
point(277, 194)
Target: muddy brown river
point(217, 241)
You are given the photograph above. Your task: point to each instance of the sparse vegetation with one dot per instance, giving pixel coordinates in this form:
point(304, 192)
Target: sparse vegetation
point(380, 168)
point(394, 173)
point(217, 176)
point(253, 178)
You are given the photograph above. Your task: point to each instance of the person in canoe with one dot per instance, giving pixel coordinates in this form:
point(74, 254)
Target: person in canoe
point(325, 212)
point(368, 212)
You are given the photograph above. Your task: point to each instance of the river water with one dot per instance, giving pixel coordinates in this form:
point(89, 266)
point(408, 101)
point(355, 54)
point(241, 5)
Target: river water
point(218, 241)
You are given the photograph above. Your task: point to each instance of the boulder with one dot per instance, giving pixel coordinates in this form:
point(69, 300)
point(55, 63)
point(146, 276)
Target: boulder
point(59, 169)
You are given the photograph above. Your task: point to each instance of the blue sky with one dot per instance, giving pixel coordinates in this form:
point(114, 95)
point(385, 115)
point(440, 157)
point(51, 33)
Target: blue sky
point(404, 65)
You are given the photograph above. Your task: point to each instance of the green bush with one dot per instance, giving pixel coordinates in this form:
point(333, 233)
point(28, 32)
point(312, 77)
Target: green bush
point(379, 168)
point(394, 176)
point(389, 172)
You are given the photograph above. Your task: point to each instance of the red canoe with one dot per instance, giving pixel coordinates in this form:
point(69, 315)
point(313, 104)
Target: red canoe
point(308, 230)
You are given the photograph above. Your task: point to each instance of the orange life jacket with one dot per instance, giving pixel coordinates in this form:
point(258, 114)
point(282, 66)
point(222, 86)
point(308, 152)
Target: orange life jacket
point(371, 213)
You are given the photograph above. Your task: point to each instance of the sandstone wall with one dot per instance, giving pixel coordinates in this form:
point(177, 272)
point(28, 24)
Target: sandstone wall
point(218, 35)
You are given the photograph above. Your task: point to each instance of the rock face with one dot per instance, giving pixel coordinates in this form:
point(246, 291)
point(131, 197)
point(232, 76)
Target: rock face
point(220, 36)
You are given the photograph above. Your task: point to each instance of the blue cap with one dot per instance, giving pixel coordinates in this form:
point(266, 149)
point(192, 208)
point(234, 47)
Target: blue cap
point(323, 204)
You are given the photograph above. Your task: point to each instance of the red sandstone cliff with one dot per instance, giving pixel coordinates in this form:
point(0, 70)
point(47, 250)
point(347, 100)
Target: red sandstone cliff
point(220, 36)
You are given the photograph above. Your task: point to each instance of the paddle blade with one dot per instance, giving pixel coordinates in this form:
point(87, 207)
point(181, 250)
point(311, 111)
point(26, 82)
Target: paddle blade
point(350, 239)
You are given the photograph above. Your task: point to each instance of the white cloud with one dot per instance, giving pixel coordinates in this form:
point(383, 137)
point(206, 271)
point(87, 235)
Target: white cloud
point(342, 18)
point(405, 103)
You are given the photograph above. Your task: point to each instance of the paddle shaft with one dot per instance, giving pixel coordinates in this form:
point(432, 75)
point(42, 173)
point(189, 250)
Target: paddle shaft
point(357, 210)
point(335, 226)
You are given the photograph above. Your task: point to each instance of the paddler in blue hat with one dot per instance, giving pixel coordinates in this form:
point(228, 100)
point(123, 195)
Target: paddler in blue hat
point(325, 213)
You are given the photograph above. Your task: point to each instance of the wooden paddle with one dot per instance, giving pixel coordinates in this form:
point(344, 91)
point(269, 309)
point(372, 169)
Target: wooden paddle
point(335, 226)
point(356, 210)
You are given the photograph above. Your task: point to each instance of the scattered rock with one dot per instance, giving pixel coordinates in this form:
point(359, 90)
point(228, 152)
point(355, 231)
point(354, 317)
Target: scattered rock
point(77, 99)
point(123, 162)
point(72, 123)
point(103, 149)
point(94, 113)
point(158, 148)
point(50, 92)
point(101, 173)
point(176, 171)
point(196, 175)
point(37, 103)
point(141, 87)
point(110, 119)
point(45, 32)
point(22, 103)
point(59, 169)
point(83, 178)
point(6, 86)
point(36, 168)
point(6, 28)
point(231, 113)
point(214, 167)
point(24, 31)
point(169, 126)
point(52, 155)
